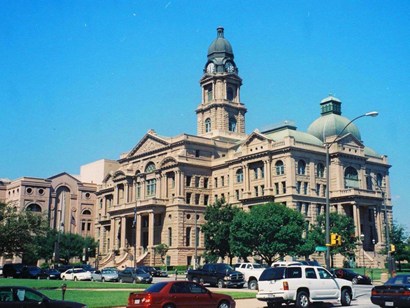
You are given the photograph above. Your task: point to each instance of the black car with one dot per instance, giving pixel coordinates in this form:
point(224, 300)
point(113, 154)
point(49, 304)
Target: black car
point(32, 272)
point(51, 273)
point(23, 297)
point(12, 270)
point(151, 270)
point(348, 274)
point(394, 293)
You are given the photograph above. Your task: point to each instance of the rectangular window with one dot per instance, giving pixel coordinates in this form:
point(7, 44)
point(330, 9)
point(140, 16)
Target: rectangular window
point(298, 184)
point(206, 199)
point(205, 182)
point(306, 209)
point(237, 194)
point(284, 187)
point(256, 191)
point(151, 187)
point(188, 237)
point(324, 191)
point(222, 181)
point(276, 188)
point(216, 182)
point(197, 197)
point(227, 179)
point(263, 190)
point(188, 198)
point(318, 209)
point(299, 207)
point(317, 189)
point(262, 173)
point(255, 171)
point(197, 153)
point(197, 180)
point(188, 180)
point(138, 193)
point(305, 188)
point(223, 197)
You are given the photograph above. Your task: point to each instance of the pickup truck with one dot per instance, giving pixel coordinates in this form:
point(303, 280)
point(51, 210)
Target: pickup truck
point(217, 274)
point(252, 272)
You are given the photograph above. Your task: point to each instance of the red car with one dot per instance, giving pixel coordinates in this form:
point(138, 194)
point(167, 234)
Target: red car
point(179, 294)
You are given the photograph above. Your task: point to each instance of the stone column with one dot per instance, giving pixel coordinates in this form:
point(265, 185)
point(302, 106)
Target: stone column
point(138, 234)
point(267, 165)
point(158, 186)
point(151, 230)
point(123, 232)
point(246, 180)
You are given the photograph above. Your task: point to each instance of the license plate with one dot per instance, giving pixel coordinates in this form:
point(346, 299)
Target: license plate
point(137, 301)
point(389, 304)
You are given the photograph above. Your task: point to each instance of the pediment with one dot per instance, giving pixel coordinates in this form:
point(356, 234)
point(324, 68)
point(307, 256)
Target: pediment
point(255, 138)
point(350, 140)
point(148, 144)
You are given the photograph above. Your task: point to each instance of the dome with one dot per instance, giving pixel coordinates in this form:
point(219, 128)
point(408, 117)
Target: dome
point(220, 47)
point(332, 124)
point(288, 129)
point(331, 121)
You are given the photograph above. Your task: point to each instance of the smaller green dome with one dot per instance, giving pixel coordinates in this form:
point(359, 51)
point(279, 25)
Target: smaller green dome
point(220, 47)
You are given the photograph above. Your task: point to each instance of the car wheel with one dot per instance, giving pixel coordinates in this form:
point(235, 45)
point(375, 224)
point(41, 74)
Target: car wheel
point(346, 298)
point(354, 280)
point(220, 283)
point(224, 304)
point(302, 299)
point(195, 280)
point(253, 284)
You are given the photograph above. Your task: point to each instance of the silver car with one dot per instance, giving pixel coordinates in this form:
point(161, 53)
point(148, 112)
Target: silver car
point(104, 275)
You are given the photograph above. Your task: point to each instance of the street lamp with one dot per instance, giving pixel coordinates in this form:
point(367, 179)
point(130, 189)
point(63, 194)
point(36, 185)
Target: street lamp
point(374, 248)
point(328, 145)
point(362, 240)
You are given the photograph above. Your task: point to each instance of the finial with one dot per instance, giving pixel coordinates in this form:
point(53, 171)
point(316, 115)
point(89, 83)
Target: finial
point(220, 32)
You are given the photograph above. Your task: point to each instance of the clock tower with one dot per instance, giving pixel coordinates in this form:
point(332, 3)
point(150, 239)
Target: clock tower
point(221, 113)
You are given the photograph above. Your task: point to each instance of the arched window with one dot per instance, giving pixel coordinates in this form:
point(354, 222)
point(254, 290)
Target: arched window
point(239, 176)
point(33, 208)
point(230, 93)
point(86, 212)
point(379, 180)
point(301, 167)
point(351, 178)
point(232, 124)
point(280, 167)
point(150, 168)
point(207, 125)
point(320, 170)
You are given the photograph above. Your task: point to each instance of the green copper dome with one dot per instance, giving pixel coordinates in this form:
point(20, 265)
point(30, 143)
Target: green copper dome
point(331, 122)
point(220, 47)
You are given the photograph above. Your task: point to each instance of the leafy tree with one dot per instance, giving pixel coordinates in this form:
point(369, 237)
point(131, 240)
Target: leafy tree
point(270, 231)
point(400, 239)
point(161, 249)
point(18, 230)
point(340, 224)
point(216, 230)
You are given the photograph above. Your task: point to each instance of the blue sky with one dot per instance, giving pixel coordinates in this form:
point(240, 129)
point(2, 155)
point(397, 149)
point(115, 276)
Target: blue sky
point(85, 80)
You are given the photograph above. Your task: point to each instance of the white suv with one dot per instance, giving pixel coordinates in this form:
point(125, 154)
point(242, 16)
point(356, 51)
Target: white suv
point(302, 285)
point(76, 274)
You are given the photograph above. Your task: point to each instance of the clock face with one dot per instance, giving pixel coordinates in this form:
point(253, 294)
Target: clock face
point(229, 67)
point(210, 68)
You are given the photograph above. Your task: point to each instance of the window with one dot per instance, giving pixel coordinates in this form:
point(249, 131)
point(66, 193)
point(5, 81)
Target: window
point(324, 274)
point(299, 207)
point(293, 272)
point(209, 93)
point(351, 178)
point(310, 273)
point(317, 189)
point(197, 196)
point(207, 125)
point(256, 191)
point(188, 198)
point(229, 94)
point(33, 208)
point(138, 189)
point(188, 237)
point(276, 188)
point(239, 176)
point(379, 180)
point(205, 182)
point(298, 184)
point(280, 167)
point(197, 179)
point(222, 181)
point(232, 125)
point(284, 187)
point(206, 199)
point(301, 167)
point(262, 190)
point(150, 168)
point(216, 182)
point(151, 187)
point(188, 180)
point(169, 237)
point(262, 173)
point(369, 182)
point(318, 209)
point(197, 236)
point(197, 153)
point(255, 171)
point(305, 188)
point(237, 196)
point(320, 170)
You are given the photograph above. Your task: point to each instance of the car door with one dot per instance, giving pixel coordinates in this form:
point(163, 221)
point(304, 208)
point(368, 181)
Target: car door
point(328, 287)
point(312, 282)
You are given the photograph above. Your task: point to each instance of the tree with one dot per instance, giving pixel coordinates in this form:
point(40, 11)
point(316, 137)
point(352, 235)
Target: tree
point(400, 239)
point(340, 224)
point(18, 230)
point(270, 231)
point(216, 229)
point(161, 249)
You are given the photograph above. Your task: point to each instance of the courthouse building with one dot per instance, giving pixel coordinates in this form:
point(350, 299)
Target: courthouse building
point(159, 191)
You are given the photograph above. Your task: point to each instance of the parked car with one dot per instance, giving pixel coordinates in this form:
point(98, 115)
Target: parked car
point(309, 262)
point(151, 270)
point(76, 274)
point(104, 275)
point(162, 273)
point(134, 275)
point(285, 263)
point(51, 273)
point(12, 270)
point(32, 272)
point(252, 272)
point(178, 294)
point(348, 274)
point(395, 292)
point(302, 285)
point(217, 274)
point(23, 297)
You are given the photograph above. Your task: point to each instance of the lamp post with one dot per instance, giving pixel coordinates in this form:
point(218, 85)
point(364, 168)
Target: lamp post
point(362, 241)
point(328, 145)
point(374, 248)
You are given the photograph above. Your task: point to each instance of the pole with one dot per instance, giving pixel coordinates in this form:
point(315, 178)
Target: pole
point(328, 145)
point(389, 267)
point(196, 240)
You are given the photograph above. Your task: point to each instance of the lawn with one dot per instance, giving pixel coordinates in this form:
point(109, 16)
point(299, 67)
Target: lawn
point(103, 294)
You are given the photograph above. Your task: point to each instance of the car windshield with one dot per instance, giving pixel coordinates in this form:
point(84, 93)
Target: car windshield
point(223, 268)
point(274, 273)
point(140, 271)
point(155, 288)
point(108, 271)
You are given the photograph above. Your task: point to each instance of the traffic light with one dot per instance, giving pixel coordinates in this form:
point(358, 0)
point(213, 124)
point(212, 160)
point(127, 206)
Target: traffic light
point(338, 240)
point(392, 248)
point(333, 237)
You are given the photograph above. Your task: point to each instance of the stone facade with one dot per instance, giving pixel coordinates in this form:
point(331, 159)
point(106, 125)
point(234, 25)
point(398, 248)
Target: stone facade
point(160, 190)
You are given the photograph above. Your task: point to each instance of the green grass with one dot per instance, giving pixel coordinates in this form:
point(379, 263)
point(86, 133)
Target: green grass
point(100, 296)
